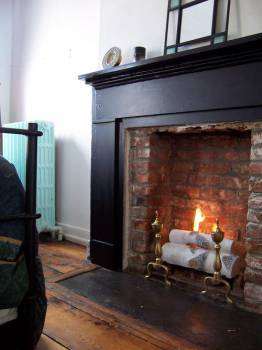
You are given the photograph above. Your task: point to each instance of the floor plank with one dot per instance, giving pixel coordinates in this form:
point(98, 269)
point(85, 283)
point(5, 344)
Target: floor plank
point(65, 248)
point(63, 258)
point(80, 331)
point(46, 343)
point(51, 273)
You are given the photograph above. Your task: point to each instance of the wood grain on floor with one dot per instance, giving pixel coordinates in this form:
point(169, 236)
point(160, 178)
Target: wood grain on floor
point(46, 343)
point(62, 257)
point(79, 324)
point(79, 330)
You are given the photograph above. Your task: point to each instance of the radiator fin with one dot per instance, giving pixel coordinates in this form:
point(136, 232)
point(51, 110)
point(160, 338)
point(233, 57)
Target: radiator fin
point(14, 150)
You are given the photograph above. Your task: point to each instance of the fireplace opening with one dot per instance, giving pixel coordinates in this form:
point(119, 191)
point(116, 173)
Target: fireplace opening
point(179, 169)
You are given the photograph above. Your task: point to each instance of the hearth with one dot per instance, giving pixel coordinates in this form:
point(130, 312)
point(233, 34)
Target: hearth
point(175, 133)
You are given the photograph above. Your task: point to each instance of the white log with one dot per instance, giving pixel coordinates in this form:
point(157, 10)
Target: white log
point(200, 259)
point(202, 240)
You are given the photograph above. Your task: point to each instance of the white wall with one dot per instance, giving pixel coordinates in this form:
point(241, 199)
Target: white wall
point(6, 8)
point(127, 24)
point(53, 42)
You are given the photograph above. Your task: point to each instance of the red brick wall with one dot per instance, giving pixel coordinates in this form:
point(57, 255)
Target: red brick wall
point(211, 170)
point(253, 271)
point(141, 187)
point(175, 173)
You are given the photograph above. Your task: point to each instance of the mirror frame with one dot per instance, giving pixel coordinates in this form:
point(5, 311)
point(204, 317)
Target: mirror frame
point(214, 38)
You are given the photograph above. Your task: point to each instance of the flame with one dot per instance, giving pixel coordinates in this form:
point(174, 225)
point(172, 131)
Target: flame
point(199, 217)
point(214, 228)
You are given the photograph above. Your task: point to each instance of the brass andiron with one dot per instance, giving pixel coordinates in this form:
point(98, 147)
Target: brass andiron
point(216, 279)
point(157, 264)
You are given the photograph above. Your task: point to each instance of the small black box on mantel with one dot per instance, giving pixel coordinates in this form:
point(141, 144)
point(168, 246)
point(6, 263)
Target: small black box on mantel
point(139, 53)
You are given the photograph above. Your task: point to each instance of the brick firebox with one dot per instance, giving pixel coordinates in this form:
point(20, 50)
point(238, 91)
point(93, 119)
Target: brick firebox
point(175, 169)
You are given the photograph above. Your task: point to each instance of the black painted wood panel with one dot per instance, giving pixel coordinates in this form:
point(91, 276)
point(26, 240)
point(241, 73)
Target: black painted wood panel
point(103, 174)
point(249, 114)
point(225, 88)
point(104, 254)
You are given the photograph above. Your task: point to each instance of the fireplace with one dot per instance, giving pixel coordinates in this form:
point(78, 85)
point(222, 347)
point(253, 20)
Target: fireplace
point(179, 169)
point(175, 133)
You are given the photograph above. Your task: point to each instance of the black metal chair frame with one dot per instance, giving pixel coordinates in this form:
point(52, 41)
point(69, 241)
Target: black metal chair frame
point(29, 216)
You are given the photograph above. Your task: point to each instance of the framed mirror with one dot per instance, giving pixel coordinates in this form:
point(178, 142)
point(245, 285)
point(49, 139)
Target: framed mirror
point(195, 23)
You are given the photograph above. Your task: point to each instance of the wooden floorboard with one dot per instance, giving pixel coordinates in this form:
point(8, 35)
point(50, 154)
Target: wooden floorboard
point(60, 260)
point(80, 331)
point(46, 343)
point(77, 323)
point(65, 248)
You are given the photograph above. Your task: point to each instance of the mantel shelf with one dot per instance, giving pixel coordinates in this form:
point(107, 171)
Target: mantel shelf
point(234, 52)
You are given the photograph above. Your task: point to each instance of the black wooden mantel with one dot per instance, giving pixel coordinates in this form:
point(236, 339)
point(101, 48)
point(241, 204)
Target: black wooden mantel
point(221, 83)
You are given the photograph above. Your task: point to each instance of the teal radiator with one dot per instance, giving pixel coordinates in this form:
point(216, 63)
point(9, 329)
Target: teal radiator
point(14, 150)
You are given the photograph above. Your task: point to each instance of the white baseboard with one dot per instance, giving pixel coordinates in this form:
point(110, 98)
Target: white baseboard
point(75, 234)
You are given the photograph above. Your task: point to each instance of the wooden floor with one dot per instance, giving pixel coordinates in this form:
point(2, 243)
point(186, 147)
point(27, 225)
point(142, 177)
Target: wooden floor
point(74, 322)
point(46, 343)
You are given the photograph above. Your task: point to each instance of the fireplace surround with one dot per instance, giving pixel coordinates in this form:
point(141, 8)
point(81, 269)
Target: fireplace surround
point(198, 106)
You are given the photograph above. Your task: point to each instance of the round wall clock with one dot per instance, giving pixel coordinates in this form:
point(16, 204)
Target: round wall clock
point(112, 58)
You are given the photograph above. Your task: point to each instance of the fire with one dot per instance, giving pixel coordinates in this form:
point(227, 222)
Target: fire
point(199, 217)
point(214, 228)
